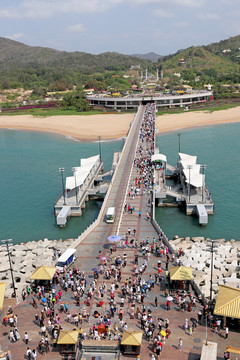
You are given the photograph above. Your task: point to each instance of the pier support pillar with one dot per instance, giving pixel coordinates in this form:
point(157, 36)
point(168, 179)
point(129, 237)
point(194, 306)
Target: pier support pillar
point(83, 205)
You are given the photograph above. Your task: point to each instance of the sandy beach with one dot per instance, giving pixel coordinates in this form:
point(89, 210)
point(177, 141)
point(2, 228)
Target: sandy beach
point(175, 122)
point(113, 126)
point(82, 127)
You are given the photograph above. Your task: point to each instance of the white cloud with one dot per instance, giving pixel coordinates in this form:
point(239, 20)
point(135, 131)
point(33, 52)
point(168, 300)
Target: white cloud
point(47, 8)
point(14, 36)
point(76, 28)
point(209, 16)
point(163, 13)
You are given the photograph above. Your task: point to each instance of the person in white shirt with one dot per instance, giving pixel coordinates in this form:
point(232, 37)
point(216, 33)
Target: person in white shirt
point(34, 354)
point(28, 354)
point(26, 337)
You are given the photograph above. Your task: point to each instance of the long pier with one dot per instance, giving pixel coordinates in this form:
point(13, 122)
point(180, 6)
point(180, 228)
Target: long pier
point(94, 239)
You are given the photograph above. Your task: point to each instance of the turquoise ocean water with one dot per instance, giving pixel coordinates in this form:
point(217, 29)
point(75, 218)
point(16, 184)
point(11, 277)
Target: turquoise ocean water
point(30, 182)
point(217, 147)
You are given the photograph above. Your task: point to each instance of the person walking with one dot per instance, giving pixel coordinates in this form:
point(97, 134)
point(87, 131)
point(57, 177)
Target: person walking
point(26, 337)
point(9, 355)
point(180, 344)
point(186, 325)
point(34, 354)
point(158, 350)
point(226, 333)
point(156, 302)
point(28, 353)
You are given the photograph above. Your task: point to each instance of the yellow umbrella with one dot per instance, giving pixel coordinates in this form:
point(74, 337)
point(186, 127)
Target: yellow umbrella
point(43, 273)
point(181, 273)
point(68, 337)
point(2, 294)
point(132, 338)
point(163, 333)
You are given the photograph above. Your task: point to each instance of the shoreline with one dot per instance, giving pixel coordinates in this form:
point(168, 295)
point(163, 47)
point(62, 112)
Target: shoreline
point(87, 128)
point(83, 128)
point(191, 120)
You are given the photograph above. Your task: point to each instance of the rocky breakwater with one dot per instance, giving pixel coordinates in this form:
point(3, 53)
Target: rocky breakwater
point(197, 255)
point(25, 258)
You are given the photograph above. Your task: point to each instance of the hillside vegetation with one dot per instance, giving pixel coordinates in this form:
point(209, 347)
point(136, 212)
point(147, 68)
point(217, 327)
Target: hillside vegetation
point(43, 69)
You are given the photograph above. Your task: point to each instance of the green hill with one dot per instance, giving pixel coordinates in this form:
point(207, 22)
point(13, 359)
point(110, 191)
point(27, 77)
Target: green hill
point(48, 69)
point(15, 55)
point(232, 44)
point(198, 58)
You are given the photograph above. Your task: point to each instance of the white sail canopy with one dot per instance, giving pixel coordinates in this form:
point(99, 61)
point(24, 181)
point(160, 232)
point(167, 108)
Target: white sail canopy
point(82, 172)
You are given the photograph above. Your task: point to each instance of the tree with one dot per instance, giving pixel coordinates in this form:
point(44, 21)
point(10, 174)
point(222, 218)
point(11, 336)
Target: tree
point(82, 105)
point(61, 85)
point(68, 100)
point(5, 84)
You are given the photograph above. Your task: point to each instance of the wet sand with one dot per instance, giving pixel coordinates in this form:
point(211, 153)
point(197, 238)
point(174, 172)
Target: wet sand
point(113, 126)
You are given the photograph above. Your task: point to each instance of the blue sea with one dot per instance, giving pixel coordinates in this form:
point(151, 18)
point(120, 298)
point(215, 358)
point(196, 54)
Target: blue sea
point(217, 147)
point(30, 182)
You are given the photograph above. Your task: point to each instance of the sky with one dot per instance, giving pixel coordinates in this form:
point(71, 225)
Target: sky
point(123, 26)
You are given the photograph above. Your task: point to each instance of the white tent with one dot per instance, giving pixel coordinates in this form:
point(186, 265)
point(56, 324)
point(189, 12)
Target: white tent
point(196, 180)
point(82, 172)
point(159, 157)
point(187, 159)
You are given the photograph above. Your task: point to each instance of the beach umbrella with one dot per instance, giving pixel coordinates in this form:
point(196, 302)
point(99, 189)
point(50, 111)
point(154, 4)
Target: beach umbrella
point(170, 298)
point(94, 269)
point(163, 333)
point(114, 238)
point(44, 300)
point(193, 320)
point(104, 258)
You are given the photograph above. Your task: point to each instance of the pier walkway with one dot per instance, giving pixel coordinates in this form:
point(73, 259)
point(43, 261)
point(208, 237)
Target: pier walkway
point(117, 196)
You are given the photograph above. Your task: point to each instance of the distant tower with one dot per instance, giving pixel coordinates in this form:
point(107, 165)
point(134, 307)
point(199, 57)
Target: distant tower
point(157, 75)
point(146, 76)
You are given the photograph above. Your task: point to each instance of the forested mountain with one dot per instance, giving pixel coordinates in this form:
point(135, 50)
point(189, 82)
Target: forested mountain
point(218, 48)
point(52, 70)
point(15, 55)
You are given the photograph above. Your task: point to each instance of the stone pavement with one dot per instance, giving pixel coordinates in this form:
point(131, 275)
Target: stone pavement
point(191, 344)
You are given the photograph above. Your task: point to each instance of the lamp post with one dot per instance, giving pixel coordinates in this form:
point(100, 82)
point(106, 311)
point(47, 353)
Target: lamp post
point(212, 249)
point(179, 142)
point(99, 145)
point(189, 167)
point(61, 170)
point(74, 170)
point(203, 167)
point(8, 243)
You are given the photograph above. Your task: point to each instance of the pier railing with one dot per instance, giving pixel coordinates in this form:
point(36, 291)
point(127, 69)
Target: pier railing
point(102, 211)
point(166, 242)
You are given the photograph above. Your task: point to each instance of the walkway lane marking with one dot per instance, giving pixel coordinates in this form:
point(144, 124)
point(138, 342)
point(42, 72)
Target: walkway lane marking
point(131, 170)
